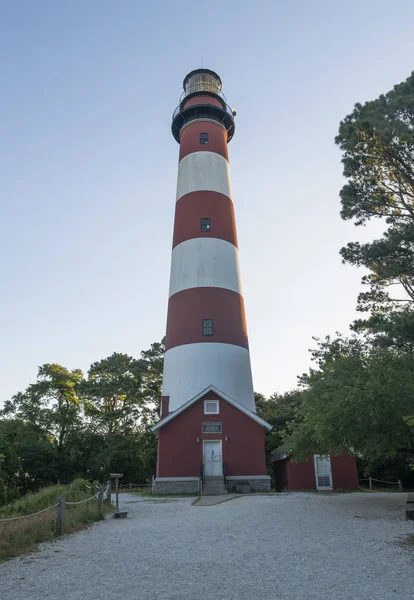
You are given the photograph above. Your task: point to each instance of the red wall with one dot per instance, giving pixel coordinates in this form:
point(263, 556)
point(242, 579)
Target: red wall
point(203, 100)
point(344, 472)
point(179, 454)
point(301, 476)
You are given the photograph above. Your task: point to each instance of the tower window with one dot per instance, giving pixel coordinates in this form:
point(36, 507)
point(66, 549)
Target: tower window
point(205, 224)
point(203, 138)
point(207, 326)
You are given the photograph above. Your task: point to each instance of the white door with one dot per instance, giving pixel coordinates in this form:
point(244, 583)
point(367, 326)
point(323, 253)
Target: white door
point(212, 458)
point(323, 473)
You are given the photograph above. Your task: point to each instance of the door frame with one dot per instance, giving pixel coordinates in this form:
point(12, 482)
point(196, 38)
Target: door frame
point(322, 488)
point(221, 455)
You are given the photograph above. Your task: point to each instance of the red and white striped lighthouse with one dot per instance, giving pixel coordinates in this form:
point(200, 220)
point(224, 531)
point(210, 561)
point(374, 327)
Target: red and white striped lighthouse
point(209, 428)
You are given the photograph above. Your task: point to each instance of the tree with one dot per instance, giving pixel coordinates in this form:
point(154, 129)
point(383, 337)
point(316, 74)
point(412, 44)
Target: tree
point(281, 411)
point(377, 140)
point(358, 398)
point(51, 403)
point(112, 394)
point(65, 426)
point(28, 459)
point(152, 380)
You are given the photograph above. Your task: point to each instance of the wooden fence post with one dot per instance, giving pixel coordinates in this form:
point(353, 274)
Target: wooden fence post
point(400, 485)
point(100, 502)
point(370, 483)
point(60, 515)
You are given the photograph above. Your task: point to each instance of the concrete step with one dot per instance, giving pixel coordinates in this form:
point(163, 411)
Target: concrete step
point(213, 486)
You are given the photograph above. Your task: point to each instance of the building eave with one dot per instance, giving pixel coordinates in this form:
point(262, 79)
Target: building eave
point(155, 429)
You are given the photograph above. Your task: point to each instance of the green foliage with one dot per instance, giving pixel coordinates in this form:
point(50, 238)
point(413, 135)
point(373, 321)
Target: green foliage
point(377, 140)
point(51, 403)
point(281, 411)
point(29, 459)
point(112, 394)
point(152, 380)
point(65, 425)
point(359, 394)
point(359, 398)
point(21, 536)
point(32, 502)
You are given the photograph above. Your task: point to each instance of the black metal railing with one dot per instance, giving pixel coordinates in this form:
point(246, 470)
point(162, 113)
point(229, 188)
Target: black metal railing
point(202, 475)
point(224, 476)
point(226, 108)
point(221, 114)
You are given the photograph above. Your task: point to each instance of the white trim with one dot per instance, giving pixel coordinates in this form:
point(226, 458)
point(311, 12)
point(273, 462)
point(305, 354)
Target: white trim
point(221, 456)
point(222, 395)
point(216, 412)
point(205, 262)
point(241, 477)
point(176, 479)
point(203, 171)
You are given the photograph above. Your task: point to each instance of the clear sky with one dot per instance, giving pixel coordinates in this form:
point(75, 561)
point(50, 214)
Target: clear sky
point(88, 167)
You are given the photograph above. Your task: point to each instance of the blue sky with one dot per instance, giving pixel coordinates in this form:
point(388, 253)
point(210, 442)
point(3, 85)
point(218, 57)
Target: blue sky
point(88, 168)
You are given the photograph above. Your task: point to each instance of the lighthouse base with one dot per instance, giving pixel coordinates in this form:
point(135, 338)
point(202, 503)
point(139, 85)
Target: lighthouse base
point(246, 484)
point(177, 485)
point(211, 437)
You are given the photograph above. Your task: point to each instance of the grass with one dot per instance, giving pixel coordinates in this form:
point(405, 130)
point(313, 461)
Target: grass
point(22, 536)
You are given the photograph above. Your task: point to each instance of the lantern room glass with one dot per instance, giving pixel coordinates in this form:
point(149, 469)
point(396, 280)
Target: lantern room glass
point(202, 82)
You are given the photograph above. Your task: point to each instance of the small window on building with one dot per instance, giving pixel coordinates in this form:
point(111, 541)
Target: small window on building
point(207, 326)
point(205, 224)
point(203, 138)
point(211, 407)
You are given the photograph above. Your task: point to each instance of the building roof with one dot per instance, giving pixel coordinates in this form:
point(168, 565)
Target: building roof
point(279, 454)
point(198, 396)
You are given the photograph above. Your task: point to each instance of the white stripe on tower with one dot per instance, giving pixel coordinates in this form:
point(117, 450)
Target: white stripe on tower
point(193, 367)
point(205, 262)
point(203, 171)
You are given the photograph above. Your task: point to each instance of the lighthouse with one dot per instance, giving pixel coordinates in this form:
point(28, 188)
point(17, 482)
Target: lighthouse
point(210, 438)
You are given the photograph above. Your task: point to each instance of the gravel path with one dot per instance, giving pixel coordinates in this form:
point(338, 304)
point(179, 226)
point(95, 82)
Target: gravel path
point(287, 546)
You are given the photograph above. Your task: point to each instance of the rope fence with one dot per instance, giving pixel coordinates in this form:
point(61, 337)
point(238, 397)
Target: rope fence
point(81, 501)
point(371, 479)
point(101, 494)
point(39, 512)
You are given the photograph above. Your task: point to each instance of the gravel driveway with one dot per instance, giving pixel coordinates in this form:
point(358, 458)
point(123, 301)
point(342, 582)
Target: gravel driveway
point(285, 546)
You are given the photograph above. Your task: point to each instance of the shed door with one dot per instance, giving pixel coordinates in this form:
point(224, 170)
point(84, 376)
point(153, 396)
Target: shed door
point(323, 473)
